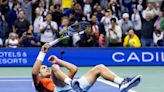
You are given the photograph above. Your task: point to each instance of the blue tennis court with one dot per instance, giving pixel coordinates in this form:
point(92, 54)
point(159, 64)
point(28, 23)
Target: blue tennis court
point(24, 84)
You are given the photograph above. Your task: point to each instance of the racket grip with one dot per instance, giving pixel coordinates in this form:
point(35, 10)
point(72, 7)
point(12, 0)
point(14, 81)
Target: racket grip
point(53, 42)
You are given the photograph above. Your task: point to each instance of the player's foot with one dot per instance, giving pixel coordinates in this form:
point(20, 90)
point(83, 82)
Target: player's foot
point(129, 83)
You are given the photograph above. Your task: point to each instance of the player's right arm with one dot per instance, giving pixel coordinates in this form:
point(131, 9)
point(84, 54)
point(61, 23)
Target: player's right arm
point(38, 63)
point(72, 69)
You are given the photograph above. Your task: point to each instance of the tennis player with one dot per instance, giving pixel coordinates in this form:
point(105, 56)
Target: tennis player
point(41, 73)
point(62, 82)
point(66, 83)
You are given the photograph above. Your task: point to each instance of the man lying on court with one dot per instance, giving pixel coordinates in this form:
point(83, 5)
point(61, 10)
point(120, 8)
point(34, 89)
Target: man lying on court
point(58, 81)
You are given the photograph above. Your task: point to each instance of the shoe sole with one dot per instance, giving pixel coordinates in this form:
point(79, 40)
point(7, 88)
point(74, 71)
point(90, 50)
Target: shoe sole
point(135, 81)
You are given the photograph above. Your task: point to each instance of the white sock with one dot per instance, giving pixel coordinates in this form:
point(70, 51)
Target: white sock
point(118, 80)
point(67, 81)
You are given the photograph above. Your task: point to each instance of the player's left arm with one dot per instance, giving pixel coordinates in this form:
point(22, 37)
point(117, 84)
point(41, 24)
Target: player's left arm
point(38, 63)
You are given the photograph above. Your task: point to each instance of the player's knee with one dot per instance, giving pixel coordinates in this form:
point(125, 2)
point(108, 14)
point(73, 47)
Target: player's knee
point(100, 66)
point(74, 69)
point(55, 67)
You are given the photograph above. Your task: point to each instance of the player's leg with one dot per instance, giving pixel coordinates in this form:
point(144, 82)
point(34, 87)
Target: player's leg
point(100, 70)
point(88, 79)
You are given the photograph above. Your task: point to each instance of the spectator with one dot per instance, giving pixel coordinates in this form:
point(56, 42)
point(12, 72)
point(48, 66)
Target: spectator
point(78, 12)
point(37, 23)
point(147, 29)
point(87, 9)
point(98, 13)
point(106, 19)
point(22, 25)
point(104, 4)
point(158, 37)
point(140, 5)
point(62, 29)
point(12, 41)
point(158, 21)
point(66, 5)
point(114, 34)
point(4, 31)
point(131, 40)
point(26, 6)
point(95, 30)
point(28, 40)
point(47, 2)
point(82, 10)
point(41, 5)
point(48, 30)
point(11, 16)
point(162, 24)
point(151, 9)
point(86, 35)
point(157, 6)
point(137, 24)
point(7, 5)
point(115, 8)
point(57, 13)
point(72, 17)
point(125, 25)
point(101, 40)
point(133, 5)
point(126, 5)
point(55, 2)
point(86, 39)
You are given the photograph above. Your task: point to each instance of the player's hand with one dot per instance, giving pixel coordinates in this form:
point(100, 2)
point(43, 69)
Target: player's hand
point(53, 59)
point(45, 48)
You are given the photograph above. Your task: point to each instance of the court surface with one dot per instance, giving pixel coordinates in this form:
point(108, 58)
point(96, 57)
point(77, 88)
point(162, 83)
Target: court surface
point(24, 84)
point(18, 79)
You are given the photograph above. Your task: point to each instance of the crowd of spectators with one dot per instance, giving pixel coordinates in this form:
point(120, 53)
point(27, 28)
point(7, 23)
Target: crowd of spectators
point(114, 23)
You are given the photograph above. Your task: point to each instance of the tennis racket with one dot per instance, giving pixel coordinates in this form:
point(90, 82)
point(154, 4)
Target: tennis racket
point(77, 27)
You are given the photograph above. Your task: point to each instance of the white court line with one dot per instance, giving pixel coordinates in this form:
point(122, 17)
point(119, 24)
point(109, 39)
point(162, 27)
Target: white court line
point(15, 80)
point(15, 77)
point(112, 84)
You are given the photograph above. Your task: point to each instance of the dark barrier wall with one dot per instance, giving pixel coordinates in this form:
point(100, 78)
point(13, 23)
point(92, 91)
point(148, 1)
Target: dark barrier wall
point(86, 56)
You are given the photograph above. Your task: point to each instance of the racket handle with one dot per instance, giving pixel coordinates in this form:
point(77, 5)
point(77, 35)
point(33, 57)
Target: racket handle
point(53, 42)
point(56, 41)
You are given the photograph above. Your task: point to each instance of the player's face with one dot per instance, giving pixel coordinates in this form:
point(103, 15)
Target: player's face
point(44, 71)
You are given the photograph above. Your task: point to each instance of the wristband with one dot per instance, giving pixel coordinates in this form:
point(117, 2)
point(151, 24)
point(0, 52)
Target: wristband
point(41, 56)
